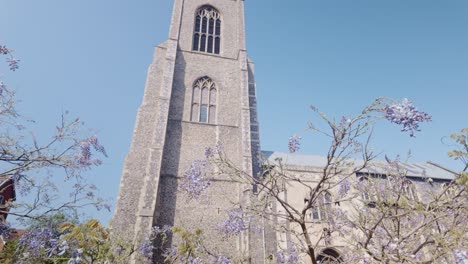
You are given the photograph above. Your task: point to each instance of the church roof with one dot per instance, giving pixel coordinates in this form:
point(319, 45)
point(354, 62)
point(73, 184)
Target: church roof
point(414, 169)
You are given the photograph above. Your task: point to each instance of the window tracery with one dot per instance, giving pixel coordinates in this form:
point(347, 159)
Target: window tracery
point(329, 256)
point(322, 208)
point(207, 31)
point(204, 101)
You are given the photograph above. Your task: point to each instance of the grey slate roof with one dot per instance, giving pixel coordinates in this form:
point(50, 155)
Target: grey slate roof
point(416, 169)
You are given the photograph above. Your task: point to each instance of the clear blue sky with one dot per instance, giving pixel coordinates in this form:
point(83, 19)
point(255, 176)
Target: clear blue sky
point(90, 57)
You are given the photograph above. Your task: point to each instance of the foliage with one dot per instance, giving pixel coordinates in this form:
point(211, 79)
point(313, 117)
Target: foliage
point(388, 224)
point(35, 167)
point(460, 153)
point(69, 242)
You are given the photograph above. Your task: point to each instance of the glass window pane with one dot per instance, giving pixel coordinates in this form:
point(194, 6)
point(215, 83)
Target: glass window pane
point(210, 44)
point(203, 43)
point(218, 27)
point(204, 113)
point(323, 215)
point(204, 24)
point(204, 96)
point(196, 95)
point(194, 116)
point(315, 214)
point(213, 96)
point(197, 24)
point(211, 26)
point(217, 42)
point(212, 114)
point(196, 40)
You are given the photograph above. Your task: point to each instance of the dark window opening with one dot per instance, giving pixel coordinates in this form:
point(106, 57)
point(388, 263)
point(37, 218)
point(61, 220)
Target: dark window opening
point(207, 30)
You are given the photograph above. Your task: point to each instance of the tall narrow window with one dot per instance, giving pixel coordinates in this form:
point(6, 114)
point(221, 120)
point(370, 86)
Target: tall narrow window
point(322, 207)
point(204, 101)
point(207, 31)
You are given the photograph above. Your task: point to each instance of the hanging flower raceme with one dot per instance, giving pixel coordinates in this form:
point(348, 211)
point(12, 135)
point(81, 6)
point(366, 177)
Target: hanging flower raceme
point(294, 143)
point(234, 224)
point(344, 188)
point(194, 182)
point(406, 114)
point(290, 256)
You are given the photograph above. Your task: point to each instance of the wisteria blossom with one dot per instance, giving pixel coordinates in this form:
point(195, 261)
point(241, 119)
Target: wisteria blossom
point(235, 222)
point(37, 241)
point(344, 188)
point(223, 260)
point(294, 143)
point(406, 114)
point(5, 229)
point(289, 256)
point(194, 182)
point(461, 257)
point(84, 158)
point(146, 247)
point(211, 152)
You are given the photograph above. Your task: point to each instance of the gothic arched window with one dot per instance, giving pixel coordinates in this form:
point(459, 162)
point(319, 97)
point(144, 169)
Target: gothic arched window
point(329, 256)
point(204, 101)
point(321, 208)
point(207, 31)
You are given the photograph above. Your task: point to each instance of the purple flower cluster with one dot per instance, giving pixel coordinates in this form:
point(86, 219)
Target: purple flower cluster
point(294, 143)
point(38, 241)
point(461, 257)
point(13, 64)
point(222, 260)
point(194, 183)
point(211, 152)
point(76, 257)
point(5, 229)
point(406, 114)
point(85, 157)
point(344, 188)
point(146, 249)
point(234, 224)
point(57, 247)
point(4, 50)
point(291, 256)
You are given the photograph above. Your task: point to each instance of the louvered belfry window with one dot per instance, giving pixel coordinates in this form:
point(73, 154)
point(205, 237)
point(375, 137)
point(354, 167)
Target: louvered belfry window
point(207, 32)
point(204, 101)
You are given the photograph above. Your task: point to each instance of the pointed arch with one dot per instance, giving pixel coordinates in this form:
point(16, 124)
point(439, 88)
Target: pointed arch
point(207, 30)
point(320, 211)
point(329, 256)
point(204, 101)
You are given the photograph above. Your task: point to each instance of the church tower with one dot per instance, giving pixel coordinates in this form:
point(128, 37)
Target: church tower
point(200, 91)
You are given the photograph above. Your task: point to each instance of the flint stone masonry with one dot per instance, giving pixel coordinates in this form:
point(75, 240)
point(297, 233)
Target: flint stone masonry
point(166, 141)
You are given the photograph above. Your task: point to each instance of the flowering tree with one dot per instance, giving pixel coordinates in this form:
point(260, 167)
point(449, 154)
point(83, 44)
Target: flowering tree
point(33, 168)
point(392, 228)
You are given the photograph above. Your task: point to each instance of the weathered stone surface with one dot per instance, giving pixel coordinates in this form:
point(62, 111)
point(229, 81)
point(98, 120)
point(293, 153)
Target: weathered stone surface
point(166, 141)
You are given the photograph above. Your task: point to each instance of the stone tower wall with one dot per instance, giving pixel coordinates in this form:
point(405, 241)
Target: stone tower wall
point(166, 141)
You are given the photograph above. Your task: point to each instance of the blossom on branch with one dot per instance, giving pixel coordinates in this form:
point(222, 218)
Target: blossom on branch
point(194, 182)
point(294, 143)
point(234, 224)
point(406, 114)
